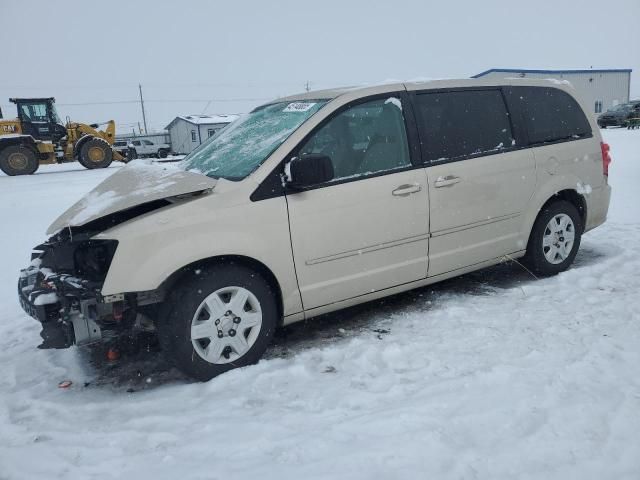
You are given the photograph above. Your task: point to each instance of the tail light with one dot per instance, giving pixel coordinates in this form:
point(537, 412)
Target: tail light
point(606, 158)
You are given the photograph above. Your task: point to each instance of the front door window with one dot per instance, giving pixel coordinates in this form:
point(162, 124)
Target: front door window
point(365, 139)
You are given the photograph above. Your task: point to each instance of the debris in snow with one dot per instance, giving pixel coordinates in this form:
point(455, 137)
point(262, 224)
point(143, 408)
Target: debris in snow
point(330, 369)
point(65, 384)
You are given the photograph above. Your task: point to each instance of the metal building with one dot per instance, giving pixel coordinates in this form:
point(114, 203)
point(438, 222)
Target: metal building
point(599, 89)
point(188, 132)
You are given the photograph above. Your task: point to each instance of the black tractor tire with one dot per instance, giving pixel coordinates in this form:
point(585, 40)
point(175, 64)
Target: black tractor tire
point(95, 153)
point(18, 160)
point(535, 258)
point(178, 311)
point(163, 153)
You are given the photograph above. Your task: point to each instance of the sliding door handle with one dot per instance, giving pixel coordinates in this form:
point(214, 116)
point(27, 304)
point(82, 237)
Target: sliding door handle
point(446, 181)
point(406, 189)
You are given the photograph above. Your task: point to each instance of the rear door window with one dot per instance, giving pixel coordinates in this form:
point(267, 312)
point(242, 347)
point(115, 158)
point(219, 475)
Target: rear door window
point(550, 114)
point(459, 124)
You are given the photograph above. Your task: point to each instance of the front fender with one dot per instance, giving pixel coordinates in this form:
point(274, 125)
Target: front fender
point(153, 247)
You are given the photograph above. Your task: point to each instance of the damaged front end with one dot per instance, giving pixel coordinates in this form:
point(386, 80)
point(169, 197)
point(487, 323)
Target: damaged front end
point(62, 290)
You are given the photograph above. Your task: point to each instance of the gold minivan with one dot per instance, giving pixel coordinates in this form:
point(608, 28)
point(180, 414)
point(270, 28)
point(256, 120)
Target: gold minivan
point(317, 202)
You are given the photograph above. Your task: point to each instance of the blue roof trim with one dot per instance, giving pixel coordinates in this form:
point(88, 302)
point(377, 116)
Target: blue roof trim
point(524, 70)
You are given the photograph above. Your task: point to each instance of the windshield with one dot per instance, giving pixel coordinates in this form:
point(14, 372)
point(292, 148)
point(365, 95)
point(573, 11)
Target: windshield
point(54, 114)
point(619, 108)
point(238, 149)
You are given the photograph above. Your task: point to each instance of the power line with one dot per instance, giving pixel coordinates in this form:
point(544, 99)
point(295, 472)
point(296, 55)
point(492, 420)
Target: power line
point(186, 100)
point(291, 83)
point(197, 100)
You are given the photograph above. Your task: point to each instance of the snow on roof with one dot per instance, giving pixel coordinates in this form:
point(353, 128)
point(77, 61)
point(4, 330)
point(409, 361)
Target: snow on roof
point(562, 72)
point(208, 119)
point(204, 119)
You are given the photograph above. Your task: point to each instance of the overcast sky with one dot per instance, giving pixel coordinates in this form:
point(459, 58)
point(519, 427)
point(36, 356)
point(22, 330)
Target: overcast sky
point(226, 57)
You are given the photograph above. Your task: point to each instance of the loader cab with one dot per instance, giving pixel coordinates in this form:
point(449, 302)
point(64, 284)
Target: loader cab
point(39, 118)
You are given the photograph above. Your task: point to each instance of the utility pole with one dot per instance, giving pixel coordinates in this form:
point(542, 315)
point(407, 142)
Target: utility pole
point(144, 116)
point(306, 87)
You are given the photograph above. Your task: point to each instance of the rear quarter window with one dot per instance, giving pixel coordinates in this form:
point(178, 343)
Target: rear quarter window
point(549, 114)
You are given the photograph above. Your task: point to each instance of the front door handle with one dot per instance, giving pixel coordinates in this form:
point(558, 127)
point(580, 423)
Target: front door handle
point(406, 189)
point(446, 181)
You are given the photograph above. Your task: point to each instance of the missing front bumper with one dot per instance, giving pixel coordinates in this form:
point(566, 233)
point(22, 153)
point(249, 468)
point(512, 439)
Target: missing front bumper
point(66, 306)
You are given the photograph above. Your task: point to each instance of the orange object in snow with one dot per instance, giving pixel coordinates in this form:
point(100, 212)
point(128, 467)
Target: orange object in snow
point(113, 354)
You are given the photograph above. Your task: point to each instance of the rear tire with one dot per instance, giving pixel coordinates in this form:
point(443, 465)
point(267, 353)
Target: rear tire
point(217, 319)
point(555, 239)
point(162, 153)
point(18, 160)
point(96, 153)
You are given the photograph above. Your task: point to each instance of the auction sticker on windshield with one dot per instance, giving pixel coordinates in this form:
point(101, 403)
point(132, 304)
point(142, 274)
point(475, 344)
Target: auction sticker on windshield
point(299, 106)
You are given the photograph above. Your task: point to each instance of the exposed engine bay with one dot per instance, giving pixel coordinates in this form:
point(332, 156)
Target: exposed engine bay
point(61, 288)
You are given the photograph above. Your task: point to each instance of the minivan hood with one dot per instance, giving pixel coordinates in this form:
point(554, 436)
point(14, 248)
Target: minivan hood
point(137, 183)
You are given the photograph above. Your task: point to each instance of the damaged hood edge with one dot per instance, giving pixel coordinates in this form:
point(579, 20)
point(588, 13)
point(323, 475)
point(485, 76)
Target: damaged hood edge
point(137, 183)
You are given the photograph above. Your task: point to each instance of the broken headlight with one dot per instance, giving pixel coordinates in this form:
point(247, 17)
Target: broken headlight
point(92, 259)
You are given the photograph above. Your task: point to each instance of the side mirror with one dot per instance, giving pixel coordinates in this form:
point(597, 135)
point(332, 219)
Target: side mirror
point(309, 170)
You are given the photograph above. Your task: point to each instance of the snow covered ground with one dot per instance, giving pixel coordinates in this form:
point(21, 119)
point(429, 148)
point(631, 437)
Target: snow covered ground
point(493, 375)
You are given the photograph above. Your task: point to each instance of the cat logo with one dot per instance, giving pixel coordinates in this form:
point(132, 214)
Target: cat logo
point(8, 128)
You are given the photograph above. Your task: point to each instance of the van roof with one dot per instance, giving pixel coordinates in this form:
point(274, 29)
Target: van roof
point(418, 85)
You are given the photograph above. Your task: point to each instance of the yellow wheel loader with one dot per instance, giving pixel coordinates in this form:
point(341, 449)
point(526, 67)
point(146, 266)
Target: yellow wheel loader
point(38, 136)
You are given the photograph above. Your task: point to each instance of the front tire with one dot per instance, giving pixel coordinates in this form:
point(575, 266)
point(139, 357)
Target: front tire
point(162, 153)
point(555, 239)
point(217, 319)
point(96, 153)
point(18, 160)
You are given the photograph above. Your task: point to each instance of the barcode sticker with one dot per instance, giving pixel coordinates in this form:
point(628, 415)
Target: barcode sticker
point(299, 106)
